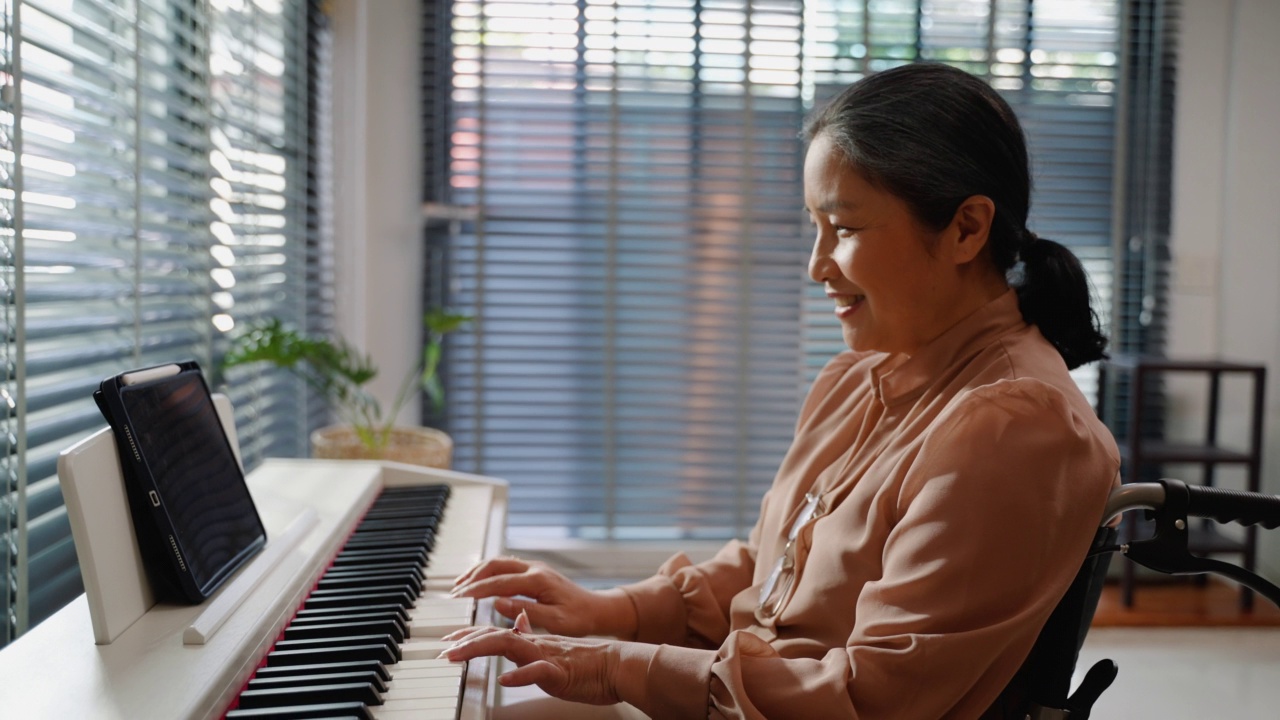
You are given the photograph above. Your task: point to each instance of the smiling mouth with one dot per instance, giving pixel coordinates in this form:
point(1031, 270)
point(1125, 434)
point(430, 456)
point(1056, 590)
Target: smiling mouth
point(844, 301)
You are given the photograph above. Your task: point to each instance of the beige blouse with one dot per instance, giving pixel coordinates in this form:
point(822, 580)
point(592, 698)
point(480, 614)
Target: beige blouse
point(963, 488)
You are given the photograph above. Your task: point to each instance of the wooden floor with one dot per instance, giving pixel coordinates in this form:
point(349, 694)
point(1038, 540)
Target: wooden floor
point(1181, 603)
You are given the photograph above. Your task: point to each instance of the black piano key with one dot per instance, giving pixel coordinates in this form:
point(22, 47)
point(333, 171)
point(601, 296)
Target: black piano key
point(324, 711)
point(414, 537)
point(401, 525)
point(341, 580)
point(366, 530)
point(304, 679)
point(403, 599)
point(404, 511)
point(368, 589)
point(414, 548)
point(392, 627)
point(353, 666)
point(414, 571)
point(355, 557)
point(341, 641)
point(407, 507)
point(312, 613)
point(390, 545)
point(374, 555)
point(364, 586)
point(353, 617)
point(314, 656)
point(406, 522)
point(315, 694)
point(423, 504)
point(397, 491)
point(410, 567)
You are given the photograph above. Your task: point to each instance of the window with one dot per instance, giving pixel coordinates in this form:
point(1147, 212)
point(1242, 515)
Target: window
point(645, 328)
point(156, 189)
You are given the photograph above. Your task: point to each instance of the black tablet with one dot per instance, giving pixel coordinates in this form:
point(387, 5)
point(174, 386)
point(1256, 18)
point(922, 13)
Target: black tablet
point(195, 520)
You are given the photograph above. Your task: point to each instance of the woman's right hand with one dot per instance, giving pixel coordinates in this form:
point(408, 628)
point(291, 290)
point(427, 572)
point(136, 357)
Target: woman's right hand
point(553, 602)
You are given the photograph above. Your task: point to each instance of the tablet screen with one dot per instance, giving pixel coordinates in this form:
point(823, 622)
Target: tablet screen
point(196, 473)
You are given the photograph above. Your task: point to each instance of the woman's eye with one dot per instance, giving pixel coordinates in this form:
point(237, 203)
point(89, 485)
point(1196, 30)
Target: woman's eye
point(844, 231)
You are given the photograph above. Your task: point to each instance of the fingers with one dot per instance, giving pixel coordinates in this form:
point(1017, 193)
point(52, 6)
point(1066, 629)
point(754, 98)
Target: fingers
point(542, 672)
point(512, 607)
point(488, 568)
point(460, 635)
point(524, 583)
point(494, 641)
point(522, 623)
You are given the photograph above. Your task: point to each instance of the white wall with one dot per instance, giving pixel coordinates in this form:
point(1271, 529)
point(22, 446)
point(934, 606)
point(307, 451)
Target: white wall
point(378, 186)
point(1226, 216)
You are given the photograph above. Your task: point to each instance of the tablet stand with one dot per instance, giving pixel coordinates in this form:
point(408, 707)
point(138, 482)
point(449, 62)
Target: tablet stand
point(115, 580)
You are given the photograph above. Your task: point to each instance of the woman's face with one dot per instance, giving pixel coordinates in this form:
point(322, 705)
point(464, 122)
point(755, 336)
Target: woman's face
point(875, 260)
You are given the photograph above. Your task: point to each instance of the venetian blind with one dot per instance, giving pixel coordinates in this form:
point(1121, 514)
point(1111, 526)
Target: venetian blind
point(161, 197)
point(645, 328)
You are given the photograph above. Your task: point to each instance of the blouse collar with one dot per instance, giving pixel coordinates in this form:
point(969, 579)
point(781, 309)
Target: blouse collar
point(898, 378)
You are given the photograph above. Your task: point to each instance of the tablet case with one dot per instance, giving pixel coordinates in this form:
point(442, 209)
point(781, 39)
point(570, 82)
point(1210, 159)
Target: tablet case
point(165, 556)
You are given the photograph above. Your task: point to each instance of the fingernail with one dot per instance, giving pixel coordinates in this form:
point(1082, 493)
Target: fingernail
point(457, 591)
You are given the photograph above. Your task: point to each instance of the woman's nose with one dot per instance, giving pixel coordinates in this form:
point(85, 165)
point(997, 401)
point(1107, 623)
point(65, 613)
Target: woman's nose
point(821, 266)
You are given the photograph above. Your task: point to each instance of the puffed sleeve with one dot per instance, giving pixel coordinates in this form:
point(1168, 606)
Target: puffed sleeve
point(687, 604)
point(995, 516)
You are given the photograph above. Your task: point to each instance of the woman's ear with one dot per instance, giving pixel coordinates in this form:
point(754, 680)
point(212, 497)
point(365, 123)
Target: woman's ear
point(970, 228)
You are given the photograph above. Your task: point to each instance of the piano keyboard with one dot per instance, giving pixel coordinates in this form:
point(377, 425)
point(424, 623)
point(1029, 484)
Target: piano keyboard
point(365, 642)
point(149, 671)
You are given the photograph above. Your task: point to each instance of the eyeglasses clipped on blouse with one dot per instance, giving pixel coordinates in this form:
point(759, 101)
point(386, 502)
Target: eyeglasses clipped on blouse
point(777, 586)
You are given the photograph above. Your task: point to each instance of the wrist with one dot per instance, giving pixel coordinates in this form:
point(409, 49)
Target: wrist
point(631, 672)
point(617, 614)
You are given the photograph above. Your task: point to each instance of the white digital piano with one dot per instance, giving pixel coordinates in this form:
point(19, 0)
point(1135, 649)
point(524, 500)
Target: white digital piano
point(318, 624)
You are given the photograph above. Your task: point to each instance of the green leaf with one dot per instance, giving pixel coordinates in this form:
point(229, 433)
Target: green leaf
point(440, 321)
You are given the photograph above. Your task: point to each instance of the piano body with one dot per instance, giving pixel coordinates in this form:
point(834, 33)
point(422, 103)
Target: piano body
point(113, 654)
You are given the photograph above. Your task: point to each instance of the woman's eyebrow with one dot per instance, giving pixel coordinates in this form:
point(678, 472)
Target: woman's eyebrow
point(836, 204)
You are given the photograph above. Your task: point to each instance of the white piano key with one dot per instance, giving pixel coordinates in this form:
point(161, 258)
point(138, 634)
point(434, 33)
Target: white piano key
point(423, 688)
point(437, 628)
point(425, 664)
point(460, 538)
point(450, 713)
point(437, 617)
point(426, 681)
point(422, 649)
point(440, 584)
point(429, 605)
point(419, 704)
point(426, 668)
point(420, 669)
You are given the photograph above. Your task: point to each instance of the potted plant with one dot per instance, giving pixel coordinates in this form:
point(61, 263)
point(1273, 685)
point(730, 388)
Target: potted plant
point(339, 372)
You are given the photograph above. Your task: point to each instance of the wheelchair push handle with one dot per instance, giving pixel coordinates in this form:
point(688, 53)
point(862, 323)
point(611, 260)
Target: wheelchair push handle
point(1171, 502)
point(1223, 506)
point(1226, 506)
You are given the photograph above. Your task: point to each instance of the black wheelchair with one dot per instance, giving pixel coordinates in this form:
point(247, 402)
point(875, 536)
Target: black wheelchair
point(1041, 690)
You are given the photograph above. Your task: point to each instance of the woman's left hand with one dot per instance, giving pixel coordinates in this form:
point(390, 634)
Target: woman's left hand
point(575, 669)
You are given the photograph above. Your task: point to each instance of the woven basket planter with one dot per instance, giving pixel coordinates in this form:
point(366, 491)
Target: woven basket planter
point(413, 445)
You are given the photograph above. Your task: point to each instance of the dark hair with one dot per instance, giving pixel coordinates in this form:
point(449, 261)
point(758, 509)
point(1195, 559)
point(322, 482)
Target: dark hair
point(934, 136)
